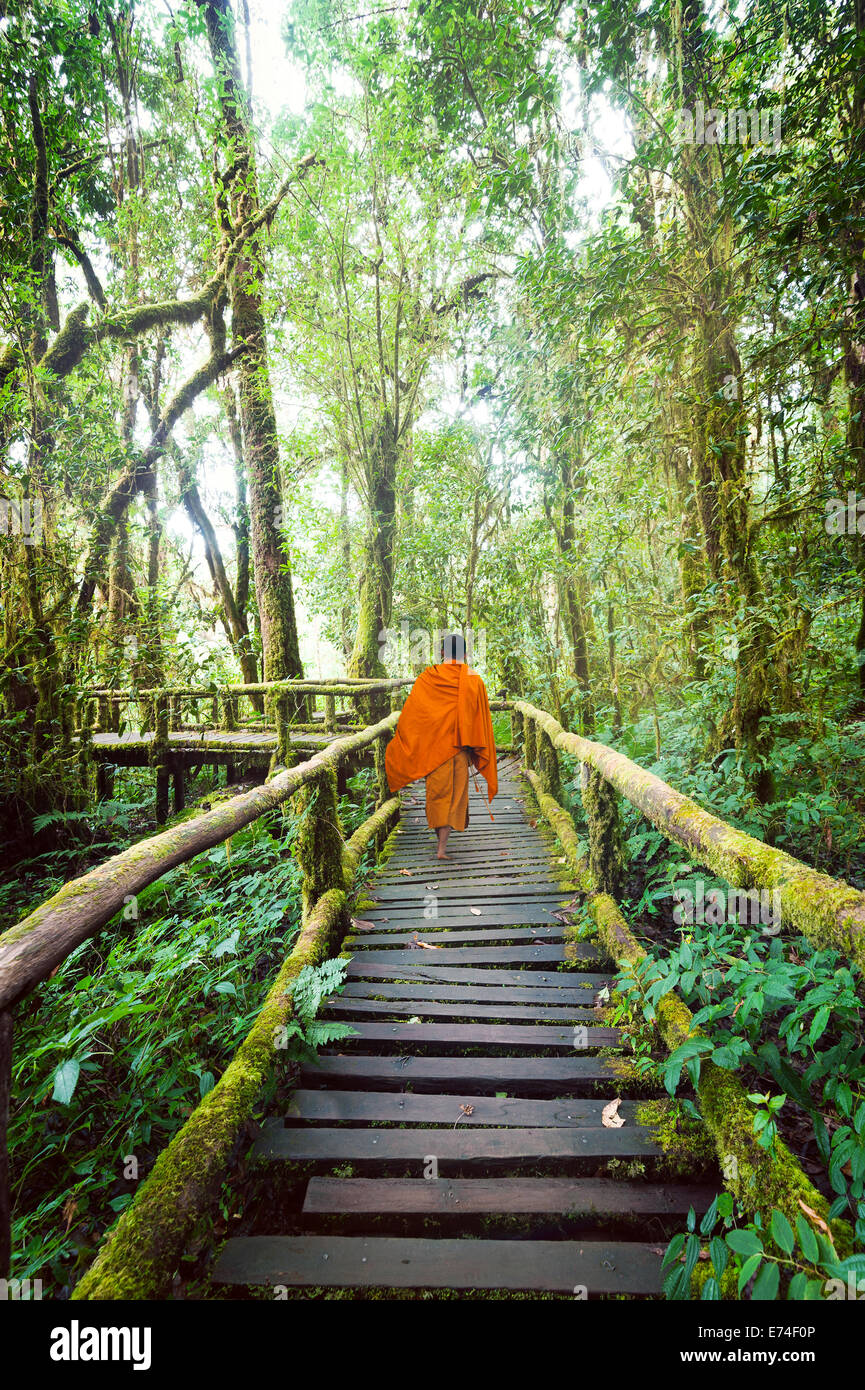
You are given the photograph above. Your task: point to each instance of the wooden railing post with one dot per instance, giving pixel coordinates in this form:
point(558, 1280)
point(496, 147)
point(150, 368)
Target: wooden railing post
point(529, 743)
point(330, 713)
point(547, 763)
point(160, 756)
point(319, 840)
point(5, 1177)
point(228, 712)
point(382, 788)
point(85, 742)
point(516, 729)
point(606, 851)
point(282, 710)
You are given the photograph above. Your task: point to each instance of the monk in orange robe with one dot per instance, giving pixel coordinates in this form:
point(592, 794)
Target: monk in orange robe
point(445, 723)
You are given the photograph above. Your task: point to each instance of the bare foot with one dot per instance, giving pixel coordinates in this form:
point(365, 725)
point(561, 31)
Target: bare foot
point(443, 856)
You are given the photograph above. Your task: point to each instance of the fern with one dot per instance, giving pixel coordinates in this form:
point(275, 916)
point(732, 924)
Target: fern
point(303, 1035)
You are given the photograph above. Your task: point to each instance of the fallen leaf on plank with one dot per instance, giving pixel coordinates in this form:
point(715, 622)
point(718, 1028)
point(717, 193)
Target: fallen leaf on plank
point(407, 873)
point(360, 924)
point(475, 911)
point(427, 945)
point(610, 1117)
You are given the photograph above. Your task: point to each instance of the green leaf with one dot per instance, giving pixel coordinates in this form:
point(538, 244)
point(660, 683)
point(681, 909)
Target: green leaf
point(766, 1284)
point(798, 1286)
point(744, 1242)
point(719, 1255)
point(807, 1239)
point(65, 1081)
point(782, 1232)
point(748, 1270)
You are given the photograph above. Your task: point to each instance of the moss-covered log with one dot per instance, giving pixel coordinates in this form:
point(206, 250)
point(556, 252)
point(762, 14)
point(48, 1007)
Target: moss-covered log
point(319, 840)
point(760, 1180)
point(140, 1255)
point(31, 950)
point(827, 910)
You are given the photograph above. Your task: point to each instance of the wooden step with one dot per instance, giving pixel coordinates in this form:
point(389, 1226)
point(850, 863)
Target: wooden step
point(409, 1108)
point(462, 1145)
point(443, 936)
point(501, 915)
point(520, 1196)
point(472, 955)
point(585, 987)
point(587, 1267)
point(543, 1074)
point(411, 890)
point(484, 1035)
point(360, 967)
point(424, 1009)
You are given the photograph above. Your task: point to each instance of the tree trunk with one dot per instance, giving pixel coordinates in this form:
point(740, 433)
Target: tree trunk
point(273, 584)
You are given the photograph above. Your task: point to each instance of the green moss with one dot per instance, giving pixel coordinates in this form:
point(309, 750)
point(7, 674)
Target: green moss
point(686, 1142)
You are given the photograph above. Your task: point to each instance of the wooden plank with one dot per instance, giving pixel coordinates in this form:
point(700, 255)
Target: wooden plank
point(520, 1196)
point(483, 1035)
point(407, 1108)
point(596, 1267)
point(471, 888)
point(361, 968)
point(528, 1012)
point(475, 1074)
point(472, 955)
point(430, 931)
point(482, 994)
point(460, 916)
point(450, 1145)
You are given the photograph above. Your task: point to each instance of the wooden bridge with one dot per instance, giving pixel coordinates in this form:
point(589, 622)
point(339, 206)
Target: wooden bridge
point(481, 1055)
point(483, 1128)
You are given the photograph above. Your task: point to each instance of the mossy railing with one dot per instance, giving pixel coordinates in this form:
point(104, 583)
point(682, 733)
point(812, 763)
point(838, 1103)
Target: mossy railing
point(827, 910)
point(182, 1182)
point(761, 1179)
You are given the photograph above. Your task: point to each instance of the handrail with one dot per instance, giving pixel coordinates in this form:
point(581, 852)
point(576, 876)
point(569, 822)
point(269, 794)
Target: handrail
point(337, 685)
point(827, 910)
point(32, 949)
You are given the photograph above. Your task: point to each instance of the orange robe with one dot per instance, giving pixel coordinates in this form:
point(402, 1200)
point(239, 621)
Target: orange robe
point(447, 709)
point(447, 793)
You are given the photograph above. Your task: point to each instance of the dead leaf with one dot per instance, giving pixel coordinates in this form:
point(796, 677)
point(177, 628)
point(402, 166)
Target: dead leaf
point(815, 1217)
point(610, 1117)
point(427, 945)
point(433, 886)
point(361, 924)
point(475, 911)
point(407, 873)
point(70, 1211)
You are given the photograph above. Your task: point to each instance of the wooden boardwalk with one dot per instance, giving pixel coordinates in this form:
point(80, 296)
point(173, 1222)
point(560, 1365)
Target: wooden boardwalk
point(464, 1119)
